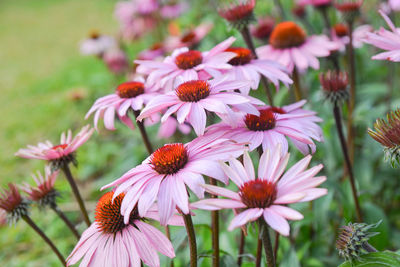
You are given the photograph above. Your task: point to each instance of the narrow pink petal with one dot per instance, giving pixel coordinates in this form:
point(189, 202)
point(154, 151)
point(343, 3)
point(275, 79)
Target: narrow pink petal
point(159, 241)
point(248, 166)
point(217, 204)
point(290, 198)
point(178, 191)
point(165, 202)
point(198, 119)
point(220, 191)
point(232, 174)
point(244, 217)
point(277, 222)
point(149, 195)
point(145, 249)
point(287, 212)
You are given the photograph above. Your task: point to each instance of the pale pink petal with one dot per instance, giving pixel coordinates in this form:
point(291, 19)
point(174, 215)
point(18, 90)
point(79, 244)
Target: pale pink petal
point(277, 222)
point(244, 217)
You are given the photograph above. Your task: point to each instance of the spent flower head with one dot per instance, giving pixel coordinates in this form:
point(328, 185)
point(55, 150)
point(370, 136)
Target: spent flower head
point(387, 133)
point(352, 241)
point(334, 85)
point(13, 203)
point(239, 13)
point(350, 9)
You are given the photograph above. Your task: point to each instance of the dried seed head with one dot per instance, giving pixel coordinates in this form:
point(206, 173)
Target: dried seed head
point(12, 202)
point(334, 85)
point(239, 13)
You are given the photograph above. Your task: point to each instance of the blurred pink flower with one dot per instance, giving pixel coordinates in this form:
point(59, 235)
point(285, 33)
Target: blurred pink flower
point(394, 5)
point(3, 217)
point(237, 12)
point(267, 194)
point(97, 44)
point(272, 127)
point(13, 204)
point(185, 62)
point(165, 174)
point(192, 98)
point(245, 67)
point(116, 61)
point(154, 52)
point(316, 3)
point(340, 35)
point(128, 96)
point(263, 29)
point(62, 153)
point(44, 192)
point(386, 40)
point(290, 46)
point(173, 10)
point(110, 242)
point(190, 38)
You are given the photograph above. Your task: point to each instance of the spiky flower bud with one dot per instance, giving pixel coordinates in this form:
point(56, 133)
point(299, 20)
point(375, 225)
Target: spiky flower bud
point(334, 85)
point(350, 9)
point(388, 134)
point(12, 202)
point(352, 242)
point(239, 13)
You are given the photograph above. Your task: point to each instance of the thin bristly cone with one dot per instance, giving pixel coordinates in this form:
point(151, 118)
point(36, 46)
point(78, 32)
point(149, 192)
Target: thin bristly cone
point(334, 85)
point(12, 202)
point(352, 242)
point(387, 133)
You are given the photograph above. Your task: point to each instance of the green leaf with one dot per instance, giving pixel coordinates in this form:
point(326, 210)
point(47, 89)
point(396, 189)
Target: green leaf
point(386, 258)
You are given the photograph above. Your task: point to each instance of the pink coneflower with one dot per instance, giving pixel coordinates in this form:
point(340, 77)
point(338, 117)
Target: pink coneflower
point(60, 154)
point(394, 5)
point(263, 29)
point(155, 51)
point(185, 62)
point(189, 38)
point(239, 13)
point(13, 204)
point(97, 44)
point(192, 98)
point(290, 46)
point(340, 35)
point(44, 192)
point(315, 3)
point(111, 242)
point(128, 96)
point(116, 60)
point(165, 174)
point(246, 67)
point(272, 127)
point(267, 194)
point(386, 40)
point(173, 9)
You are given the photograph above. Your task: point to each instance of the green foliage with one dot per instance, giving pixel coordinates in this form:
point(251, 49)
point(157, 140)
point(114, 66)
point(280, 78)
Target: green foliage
point(386, 258)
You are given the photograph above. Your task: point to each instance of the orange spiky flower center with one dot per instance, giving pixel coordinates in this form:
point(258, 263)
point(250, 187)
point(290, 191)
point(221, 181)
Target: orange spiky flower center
point(193, 91)
point(108, 215)
point(258, 193)
point(287, 34)
point(130, 89)
point(169, 159)
point(189, 59)
point(62, 146)
point(265, 121)
point(243, 56)
point(341, 30)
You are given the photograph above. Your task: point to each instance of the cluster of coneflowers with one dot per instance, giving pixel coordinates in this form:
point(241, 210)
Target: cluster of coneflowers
point(186, 89)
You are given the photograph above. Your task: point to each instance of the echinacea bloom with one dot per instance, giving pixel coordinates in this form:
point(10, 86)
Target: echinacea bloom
point(239, 13)
point(386, 40)
point(387, 133)
point(116, 60)
point(44, 192)
point(272, 127)
point(185, 62)
point(173, 9)
point(57, 155)
point(189, 38)
point(129, 96)
point(109, 242)
point(164, 175)
point(394, 5)
point(290, 46)
point(267, 194)
point(334, 85)
point(97, 44)
point(192, 98)
point(340, 35)
point(263, 29)
point(13, 204)
point(246, 67)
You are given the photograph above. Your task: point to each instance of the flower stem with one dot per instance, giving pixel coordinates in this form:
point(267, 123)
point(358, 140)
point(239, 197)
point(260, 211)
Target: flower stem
point(281, 9)
point(250, 44)
point(352, 100)
point(75, 190)
point(29, 221)
point(215, 230)
point(143, 133)
point(241, 248)
point(264, 231)
point(338, 120)
point(259, 251)
point(297, 85)
point(63, 217)
point(276, 245)
point(187, 218)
